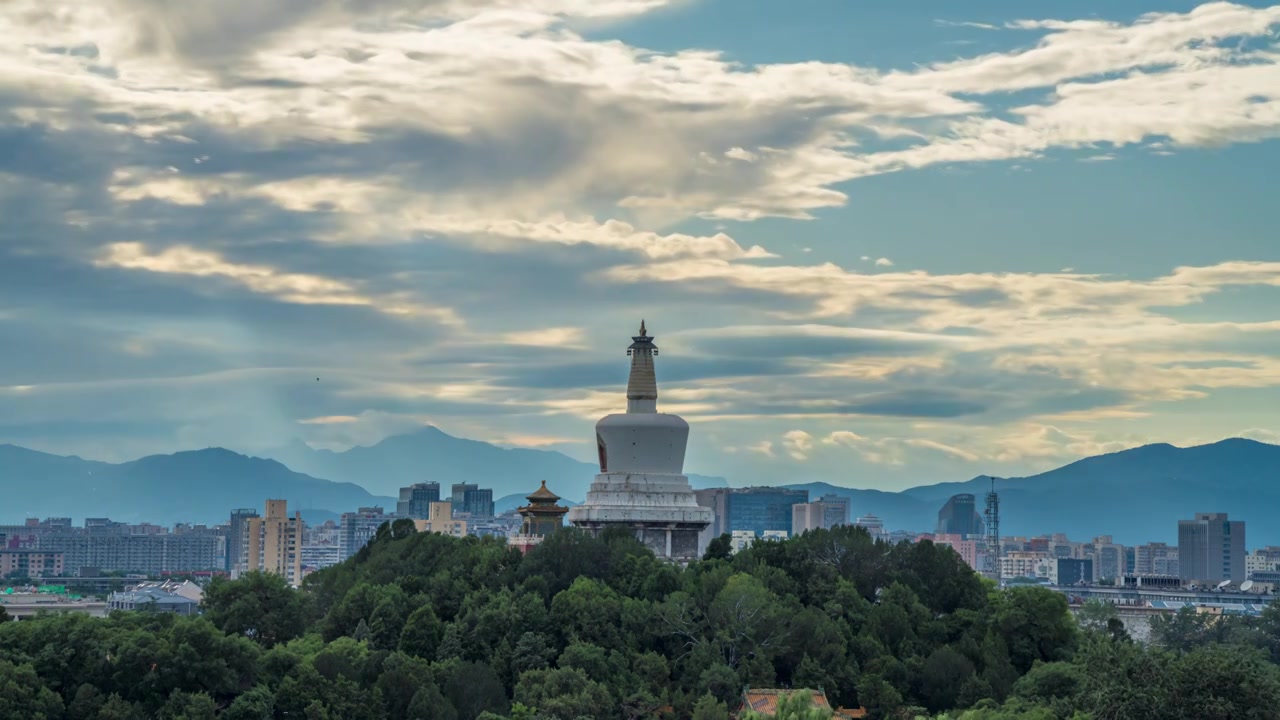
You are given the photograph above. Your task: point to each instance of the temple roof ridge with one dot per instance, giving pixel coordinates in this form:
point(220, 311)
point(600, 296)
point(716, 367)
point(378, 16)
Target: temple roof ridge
point(542, 493)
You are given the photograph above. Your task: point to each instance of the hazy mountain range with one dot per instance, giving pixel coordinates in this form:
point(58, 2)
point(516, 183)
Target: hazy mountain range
point(430, 454)
point(1135, 496)
point(196, 486)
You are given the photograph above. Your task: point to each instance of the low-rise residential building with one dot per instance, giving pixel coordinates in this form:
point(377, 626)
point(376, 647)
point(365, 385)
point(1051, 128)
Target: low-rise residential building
point(440, 520)
point(1262, 560)
point(1070, 571)
point(741, 540)
point(319, 557)
point(177, 598)
point(30, 564)
point(966, 548)
point(873, 525)
point(1023, 563)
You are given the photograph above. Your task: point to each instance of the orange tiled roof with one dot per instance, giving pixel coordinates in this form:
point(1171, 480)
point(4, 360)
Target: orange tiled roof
point(765, 700)
point(851, 713)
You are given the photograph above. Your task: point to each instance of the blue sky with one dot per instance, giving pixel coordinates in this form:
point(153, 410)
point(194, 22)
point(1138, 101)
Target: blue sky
point(880, 244)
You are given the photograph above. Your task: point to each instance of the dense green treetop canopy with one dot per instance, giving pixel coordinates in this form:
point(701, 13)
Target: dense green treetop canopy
point(429, 626)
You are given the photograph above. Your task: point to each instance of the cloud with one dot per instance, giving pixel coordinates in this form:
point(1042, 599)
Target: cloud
point(288, 287)
point(812, 341)
point(559, 337)
point(958, 453)
point(533, 119)
point(1046, 442)
point(797, 444)
point(225, 202)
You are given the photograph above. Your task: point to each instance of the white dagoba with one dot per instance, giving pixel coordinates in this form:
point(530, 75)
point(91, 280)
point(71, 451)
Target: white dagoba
point(641, 485)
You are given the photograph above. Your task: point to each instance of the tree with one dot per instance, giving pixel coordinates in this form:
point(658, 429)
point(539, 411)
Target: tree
point(429, 704)
point(23, 696)
point(747, 621)
point(944, 675)
point(188, 706)
point(260, 606)
point(256, 704)
point(709, 708)
point(879, 697)
point(720, 548)
point(1094, 615)
point(422, 633)
point(565, 694)
point(1035, 624)
point(473, 688)
point(117, 708)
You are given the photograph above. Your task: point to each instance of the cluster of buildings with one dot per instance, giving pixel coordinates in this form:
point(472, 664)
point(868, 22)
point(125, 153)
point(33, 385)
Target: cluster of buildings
point(770, 513)
point(273, 539)
point(641, 488)
point(53, 547)
point(282, 543)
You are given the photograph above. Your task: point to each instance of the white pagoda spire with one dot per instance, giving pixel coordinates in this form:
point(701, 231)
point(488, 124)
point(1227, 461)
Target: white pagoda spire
point(642, 384)
point(642, 486)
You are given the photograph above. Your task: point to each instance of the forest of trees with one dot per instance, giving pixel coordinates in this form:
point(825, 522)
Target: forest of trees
point(428, 627)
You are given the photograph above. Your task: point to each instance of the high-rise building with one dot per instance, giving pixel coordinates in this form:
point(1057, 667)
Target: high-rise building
point(959, 516)
point(415, 500)
point(716, 500)
point(1108, 558)
point(837, 510)
point(235, 536)
point(1155, 559)
point(759, 509)
point(642, 486)
point(356, 529)
point(1211, 549)
point(273, 543)
point(471, 499)
point(807, 516)
point(819, 514)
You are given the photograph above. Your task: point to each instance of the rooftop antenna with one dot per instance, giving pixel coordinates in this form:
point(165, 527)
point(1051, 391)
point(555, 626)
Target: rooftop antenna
point(993, 532)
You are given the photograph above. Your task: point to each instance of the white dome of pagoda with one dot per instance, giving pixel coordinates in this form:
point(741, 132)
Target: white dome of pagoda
point(641, 485)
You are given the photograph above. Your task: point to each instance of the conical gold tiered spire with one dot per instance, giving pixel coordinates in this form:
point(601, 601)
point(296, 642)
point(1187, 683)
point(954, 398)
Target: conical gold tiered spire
point(642, 385)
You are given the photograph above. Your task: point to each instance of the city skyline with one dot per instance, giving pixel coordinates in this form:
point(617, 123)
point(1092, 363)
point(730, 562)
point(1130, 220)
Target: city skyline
point(880, 246)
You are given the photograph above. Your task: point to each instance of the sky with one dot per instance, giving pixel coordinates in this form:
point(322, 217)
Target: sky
point(879, 244)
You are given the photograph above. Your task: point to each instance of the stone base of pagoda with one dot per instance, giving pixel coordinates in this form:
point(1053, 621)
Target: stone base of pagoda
point(670, 541)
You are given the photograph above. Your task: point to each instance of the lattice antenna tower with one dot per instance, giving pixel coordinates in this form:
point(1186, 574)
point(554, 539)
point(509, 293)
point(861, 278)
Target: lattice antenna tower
point(992, 516)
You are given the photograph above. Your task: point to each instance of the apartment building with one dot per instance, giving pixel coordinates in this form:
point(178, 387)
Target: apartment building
point(273, 543)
